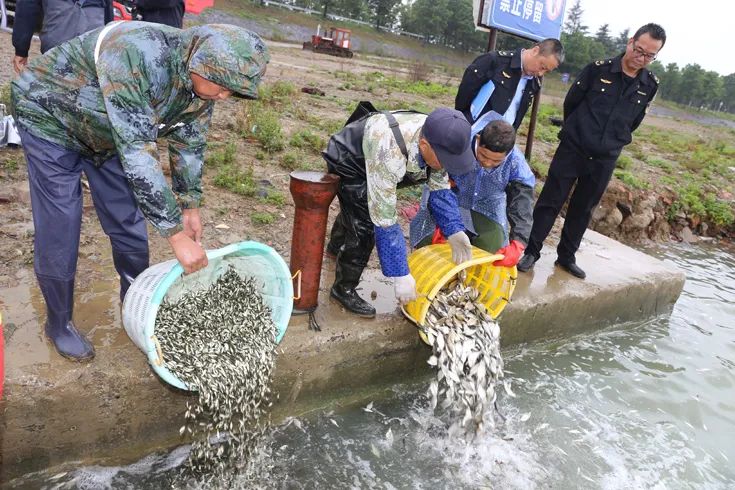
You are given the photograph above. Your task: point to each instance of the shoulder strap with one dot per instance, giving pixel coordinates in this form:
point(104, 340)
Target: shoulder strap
point(101, 36)
point(363, 109)
point(396, 133)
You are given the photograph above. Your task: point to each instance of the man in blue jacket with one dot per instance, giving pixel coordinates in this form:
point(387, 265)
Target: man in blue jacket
point(495, 198)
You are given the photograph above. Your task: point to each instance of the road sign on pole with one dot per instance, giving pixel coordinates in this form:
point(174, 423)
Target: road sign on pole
point(532, 19)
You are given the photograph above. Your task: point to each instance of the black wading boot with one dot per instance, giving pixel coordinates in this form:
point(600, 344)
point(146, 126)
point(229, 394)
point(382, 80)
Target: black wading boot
point(69, 342)
point(347, 277)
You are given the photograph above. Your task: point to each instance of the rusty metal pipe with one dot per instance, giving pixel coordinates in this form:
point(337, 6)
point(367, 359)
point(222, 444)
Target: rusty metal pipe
point(312, 193)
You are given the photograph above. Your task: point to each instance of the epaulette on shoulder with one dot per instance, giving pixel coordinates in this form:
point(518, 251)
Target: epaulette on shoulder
point(603, 62)
point(507, 54)
point(653, 75)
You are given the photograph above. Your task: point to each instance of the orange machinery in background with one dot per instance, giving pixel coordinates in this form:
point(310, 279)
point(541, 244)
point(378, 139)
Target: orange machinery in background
point(337, 43)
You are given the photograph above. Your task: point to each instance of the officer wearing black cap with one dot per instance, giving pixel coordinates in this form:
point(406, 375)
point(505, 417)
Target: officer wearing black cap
point(375, 154)
point(503, 84)
point(605, 105)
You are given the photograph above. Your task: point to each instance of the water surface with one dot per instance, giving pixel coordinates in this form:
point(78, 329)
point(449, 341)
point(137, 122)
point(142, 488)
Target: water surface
point(640, 405)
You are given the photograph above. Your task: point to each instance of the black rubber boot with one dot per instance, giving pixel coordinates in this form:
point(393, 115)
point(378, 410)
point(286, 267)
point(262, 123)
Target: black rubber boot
point(129, 265)
point(571, 268)
point(60, 329)
point(347, 277)
point(526, 263)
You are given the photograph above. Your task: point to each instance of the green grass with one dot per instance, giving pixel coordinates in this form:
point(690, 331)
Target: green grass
point(5, 95)
point(274, 197)
point(278, 92)
point(624, 162)
point(262, 124)
point(540, 168)
point(305, 139)
point(659, 163)
point(11, 163)
point(235, 180)
point(221, 155)
point(262, 218)
point(631, 180)
point(291, 160)
point(692, 200)
point(422, 88)
point(720, 212)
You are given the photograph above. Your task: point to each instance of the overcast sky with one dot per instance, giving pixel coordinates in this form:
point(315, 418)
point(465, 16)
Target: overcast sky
point(698, 31)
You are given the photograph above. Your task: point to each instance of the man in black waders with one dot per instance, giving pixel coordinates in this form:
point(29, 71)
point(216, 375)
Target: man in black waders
point(375, 154)
point(606, 103)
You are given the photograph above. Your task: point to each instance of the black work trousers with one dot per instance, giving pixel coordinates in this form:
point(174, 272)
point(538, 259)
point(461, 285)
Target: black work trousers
point(567, 167)
point(353, 234)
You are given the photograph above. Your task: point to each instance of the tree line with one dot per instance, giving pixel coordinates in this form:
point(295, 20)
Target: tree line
point(691, 85)
point(450, 23)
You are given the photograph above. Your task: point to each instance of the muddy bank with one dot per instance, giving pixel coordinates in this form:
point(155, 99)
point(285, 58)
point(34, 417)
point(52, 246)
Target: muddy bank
point(114, 409)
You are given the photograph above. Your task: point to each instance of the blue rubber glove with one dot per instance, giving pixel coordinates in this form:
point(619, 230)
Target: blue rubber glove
point(391, 250)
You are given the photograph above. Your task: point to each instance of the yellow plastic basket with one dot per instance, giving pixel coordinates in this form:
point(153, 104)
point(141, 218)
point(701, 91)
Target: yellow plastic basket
point(433, 269)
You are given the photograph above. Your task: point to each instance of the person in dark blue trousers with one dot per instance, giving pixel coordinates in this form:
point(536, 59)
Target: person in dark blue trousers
point(60, 21)
point(54, 177)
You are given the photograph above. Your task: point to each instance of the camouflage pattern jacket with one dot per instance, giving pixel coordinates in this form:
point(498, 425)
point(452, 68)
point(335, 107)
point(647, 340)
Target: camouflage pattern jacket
point(386, 166)
point(138, 90)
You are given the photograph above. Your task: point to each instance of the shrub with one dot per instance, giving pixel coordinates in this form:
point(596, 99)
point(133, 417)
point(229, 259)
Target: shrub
point(262, 218)
point(262, 124)
point(720, 212)
point(659, 162)
point(624, 162)
point(291, 160)
point(5, 95)
point(235, 180)
point(275, 197)
point(222, 155)
point(631, 180)
point(307, 140)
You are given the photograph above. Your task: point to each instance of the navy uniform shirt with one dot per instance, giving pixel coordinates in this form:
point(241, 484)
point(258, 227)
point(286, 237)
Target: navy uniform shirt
point(504, 69)
point(602, 109)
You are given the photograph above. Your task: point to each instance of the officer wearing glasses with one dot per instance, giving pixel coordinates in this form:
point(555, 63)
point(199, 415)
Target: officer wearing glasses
point(605, 104)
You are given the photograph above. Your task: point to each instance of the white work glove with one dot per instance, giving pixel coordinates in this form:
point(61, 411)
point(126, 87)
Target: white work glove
point(405, 288)
point(461, 247)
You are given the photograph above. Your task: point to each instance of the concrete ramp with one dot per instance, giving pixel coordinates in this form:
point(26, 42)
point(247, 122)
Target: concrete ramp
point(114, 410)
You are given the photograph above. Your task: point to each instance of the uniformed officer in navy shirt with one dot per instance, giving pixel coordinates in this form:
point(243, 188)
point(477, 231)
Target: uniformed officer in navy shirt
point(503, 84)
point(605, 104)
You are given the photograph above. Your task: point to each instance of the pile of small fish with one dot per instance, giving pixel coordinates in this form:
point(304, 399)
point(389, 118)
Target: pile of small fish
point(221, 342)
point(465, 344)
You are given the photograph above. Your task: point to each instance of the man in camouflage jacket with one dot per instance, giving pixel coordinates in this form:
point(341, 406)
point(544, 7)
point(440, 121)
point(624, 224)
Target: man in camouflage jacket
point(97, 104)
point(375, 154)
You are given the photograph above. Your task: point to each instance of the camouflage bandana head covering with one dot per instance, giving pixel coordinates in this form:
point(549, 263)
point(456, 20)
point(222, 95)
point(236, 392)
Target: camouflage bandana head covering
point(230, 56)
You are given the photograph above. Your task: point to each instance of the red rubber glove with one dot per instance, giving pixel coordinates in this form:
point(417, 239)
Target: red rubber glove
point(438, 237)
point(512, 253)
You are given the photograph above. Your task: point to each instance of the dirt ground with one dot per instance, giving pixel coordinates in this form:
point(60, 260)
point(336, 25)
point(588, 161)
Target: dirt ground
point(226, 215)
point(229, 217)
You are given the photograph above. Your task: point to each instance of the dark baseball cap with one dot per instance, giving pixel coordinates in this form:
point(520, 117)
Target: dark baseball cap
point(448, 133)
